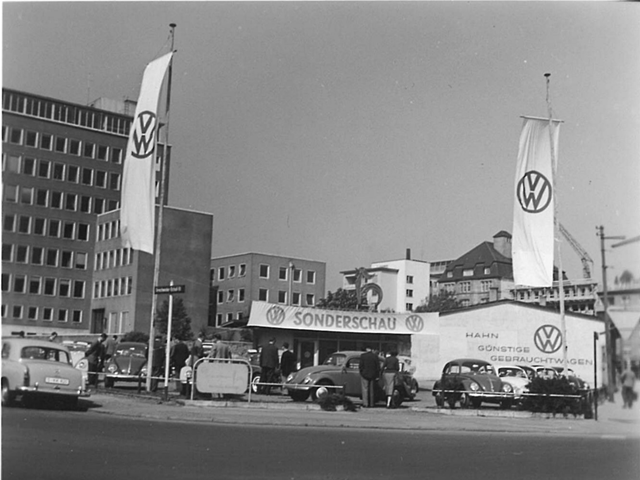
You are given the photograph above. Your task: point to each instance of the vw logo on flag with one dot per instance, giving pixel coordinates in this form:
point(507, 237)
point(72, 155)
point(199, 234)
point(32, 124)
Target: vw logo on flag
point(275, 315)
point(143, 137)
point(415, 323)
point(548, 339)
point(534, 192)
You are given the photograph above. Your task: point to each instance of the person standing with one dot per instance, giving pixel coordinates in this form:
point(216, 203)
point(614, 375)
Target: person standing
point(197, 350)
point(287, 361)
point(628, 379)
point(390, 369)
point(268, 363)
point(110, 347)
point(220, 349)
point(94, 356)
point(179, 355)
point(369, 372)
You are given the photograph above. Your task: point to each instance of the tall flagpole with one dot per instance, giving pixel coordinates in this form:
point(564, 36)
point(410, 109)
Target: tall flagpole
point(156, 269)
point(556, 232)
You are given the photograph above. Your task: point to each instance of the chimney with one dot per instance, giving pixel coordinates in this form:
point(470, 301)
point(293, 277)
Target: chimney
point(408, 254)
point(502, 243)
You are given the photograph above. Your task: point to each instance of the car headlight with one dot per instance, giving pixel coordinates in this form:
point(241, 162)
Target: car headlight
point(112, 368)
point(82, 364)
point(143, 371)
point(290, 377)
point(506, 388)
point(307, 380)
point(474, 387)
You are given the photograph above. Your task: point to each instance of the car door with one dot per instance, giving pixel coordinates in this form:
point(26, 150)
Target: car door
point(351, 377)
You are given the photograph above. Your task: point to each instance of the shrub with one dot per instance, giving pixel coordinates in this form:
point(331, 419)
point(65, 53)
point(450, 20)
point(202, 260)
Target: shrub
point(546, 396)
point(330, 401)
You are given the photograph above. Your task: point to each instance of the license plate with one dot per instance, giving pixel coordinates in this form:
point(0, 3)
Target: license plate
point(57, 381)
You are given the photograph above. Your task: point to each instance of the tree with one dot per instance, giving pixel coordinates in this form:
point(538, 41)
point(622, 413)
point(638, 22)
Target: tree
point(340, 300)
point(443, 302)
point(180, 320)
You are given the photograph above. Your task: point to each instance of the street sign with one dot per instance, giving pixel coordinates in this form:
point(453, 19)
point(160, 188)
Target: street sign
point(170, 289)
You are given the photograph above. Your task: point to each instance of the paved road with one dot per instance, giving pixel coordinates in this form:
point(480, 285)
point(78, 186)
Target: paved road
point(54, 444)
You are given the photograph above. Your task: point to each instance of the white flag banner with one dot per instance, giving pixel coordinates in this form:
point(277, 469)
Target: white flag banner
point(137, 212)
point(534, 210)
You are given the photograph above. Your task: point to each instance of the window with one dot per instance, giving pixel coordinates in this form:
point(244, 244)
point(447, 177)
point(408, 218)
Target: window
point(52, 257)
point(11, 193)
point(297, 275)
point(242, 270)
point(467, 272)
point(282, 296)
point(85, 204)
point(487, 270)
point(64, 287)
point(116, 155)
point(212, 275)
point(45, 141)
point(83, 232)
point(295, 298)
point(26, 195)
point(229, 317)
point(409, 293)
point(37, 255)
point(101, 179)
point(230, 295)
point(24, 224)
point(282, 273)
point(81, 261)
point(12, 164)
point(409, 307)
point(74, 147)
point(465, 302)
point(54, 228)
point(63, 314)
point(47, 314)
point(72, 173)
point(465, 287)
point(222, 273)
point(102, 152)
point(241, 295)
point(449, 274)
point(56, 200)
point(76, 316)
point(485, 285)
point(17, 312)
point(449, 287)
point(114, 181)
point(311, 301)
point(78, 289)
point(61, 145)
point(98, 205)
point(220, 296)
point(29, 166)
point(16, 136)
point(65, 259)
point(6, 281)
point(9, 223)
point(71, 202)
point(34, 285)
point(219, 319)
point(58, 171)
point(113, 205)
point(264, 271)
point(87, 176)
point(232, 271)
point(31, 139)
point(7, 252)
point(88, 149)
point(263, 295)
point(32, 313)
point(68, 230)
point(42, 196)
point(409, 278)
point(19, 283)
point(38, 226)
point(21, 253)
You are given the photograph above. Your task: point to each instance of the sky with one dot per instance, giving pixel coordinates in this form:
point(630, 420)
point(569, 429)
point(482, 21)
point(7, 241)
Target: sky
point(349, 132)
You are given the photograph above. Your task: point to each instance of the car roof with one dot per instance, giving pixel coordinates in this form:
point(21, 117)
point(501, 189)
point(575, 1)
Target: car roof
point(469, 360)
point(32, 342)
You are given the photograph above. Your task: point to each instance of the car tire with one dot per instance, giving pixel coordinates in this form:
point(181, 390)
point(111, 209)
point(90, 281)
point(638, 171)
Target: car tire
point(254, 384)
point(321, 391)
point(298, 395)
point(439, 400)
point(414, 389)
point(465, 400)
point(7, 394)
point(396, 398)
point(108, 382)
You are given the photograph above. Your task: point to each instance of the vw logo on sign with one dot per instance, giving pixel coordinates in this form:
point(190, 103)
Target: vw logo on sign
point(534, 192)
point(548, 339)
point(415, 323)
point(144, 131)
point(275, 315)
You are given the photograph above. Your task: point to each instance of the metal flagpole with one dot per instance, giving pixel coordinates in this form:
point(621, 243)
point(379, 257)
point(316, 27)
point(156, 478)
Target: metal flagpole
point(156, 269)
point(556, 225)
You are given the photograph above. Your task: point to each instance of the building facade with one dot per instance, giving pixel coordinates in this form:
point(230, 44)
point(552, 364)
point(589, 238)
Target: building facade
point(237, 280)
point(62, 167)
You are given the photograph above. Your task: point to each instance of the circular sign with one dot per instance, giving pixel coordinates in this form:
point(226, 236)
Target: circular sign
point(275, 315)
point(144, 132)
point(548, 339)
point(415, 323)
point(534, 192)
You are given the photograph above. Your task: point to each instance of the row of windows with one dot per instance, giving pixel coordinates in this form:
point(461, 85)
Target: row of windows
point(465, 287)
point(50, 227)
point(114, 287)
point(64, 113)
point(46, 314)
point(60, 144)
point(113, 258)
point(108, 230)
point(230, 317)
point(37, 285)
point(469, 272)
point(61, 172)
point(50, 257)
point(265, 271)
point(42, 197)
point(296, 297)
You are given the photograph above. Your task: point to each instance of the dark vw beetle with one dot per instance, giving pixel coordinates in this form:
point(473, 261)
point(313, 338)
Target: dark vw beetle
point(128, 364)
point(341, 369)
point(471, 382)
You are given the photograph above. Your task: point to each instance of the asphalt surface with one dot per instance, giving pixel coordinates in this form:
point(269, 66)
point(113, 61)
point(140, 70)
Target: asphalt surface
point(421, 414)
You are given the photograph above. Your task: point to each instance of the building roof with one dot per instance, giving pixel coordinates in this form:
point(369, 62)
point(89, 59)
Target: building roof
point(484, 255)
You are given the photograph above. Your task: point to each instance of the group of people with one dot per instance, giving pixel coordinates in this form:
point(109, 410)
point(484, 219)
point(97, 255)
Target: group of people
point(273, 365)
point(101, 350)
point(371, 371)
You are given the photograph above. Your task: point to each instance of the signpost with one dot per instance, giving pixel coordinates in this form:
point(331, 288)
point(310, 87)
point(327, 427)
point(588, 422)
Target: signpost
point(170, 289)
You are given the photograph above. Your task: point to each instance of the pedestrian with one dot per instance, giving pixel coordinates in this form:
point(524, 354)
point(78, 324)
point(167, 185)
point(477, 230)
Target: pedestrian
point(628, 379)
point(287, 361)
point(94, 356)
point(197, 350)
point(369, 372)
point(219, 349)
point(110, 345)
point(390, 370)
point(179, 355)
point(268, 363)
point(53, 337)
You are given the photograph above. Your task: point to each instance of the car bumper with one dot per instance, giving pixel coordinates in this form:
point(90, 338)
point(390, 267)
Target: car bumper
point(298, 387)
point(119, 377)
point(52, 391)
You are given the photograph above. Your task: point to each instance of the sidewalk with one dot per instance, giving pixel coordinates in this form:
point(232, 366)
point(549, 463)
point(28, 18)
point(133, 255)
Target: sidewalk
point(420, 414)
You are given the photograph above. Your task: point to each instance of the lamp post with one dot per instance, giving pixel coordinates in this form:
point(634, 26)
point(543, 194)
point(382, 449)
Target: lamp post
point(607, 319)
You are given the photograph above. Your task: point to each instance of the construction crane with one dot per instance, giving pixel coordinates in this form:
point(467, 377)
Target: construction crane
point(587, 262)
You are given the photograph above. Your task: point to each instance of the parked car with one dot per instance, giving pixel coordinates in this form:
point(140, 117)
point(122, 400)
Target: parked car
point(574, 379)
point(128, 364)
point(407, 366)
point(476, 380)
point(37, 368)
point(543, 371)
point(530, 371)
point(516, 377)
point(76, 349)
point(341, 369)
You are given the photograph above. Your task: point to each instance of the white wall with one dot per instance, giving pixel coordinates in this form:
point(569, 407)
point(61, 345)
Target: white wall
point(505, 334)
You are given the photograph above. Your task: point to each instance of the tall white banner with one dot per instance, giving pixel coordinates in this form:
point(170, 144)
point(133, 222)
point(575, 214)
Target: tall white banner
point(534, 210)
point(137, 213)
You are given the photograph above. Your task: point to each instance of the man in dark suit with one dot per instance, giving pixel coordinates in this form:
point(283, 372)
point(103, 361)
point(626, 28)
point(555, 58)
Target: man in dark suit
point(268, 363)
point(369, 373)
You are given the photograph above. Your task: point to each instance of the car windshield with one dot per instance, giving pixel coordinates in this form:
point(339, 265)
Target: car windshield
point(335, 359)
point(129, 350)
point(473, 368)
point(511, 372)
point(45, 353)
